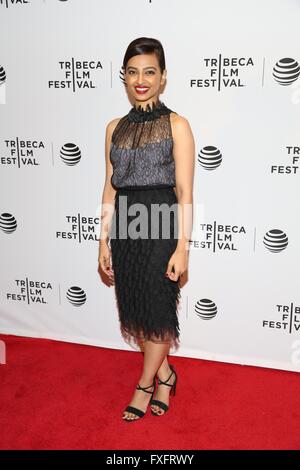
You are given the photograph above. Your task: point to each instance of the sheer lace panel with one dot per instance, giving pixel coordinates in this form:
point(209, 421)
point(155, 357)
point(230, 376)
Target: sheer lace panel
point(131, 135)
point(141, 148)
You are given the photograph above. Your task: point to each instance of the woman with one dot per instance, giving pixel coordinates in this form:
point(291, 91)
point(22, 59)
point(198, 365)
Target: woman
point(149, 161)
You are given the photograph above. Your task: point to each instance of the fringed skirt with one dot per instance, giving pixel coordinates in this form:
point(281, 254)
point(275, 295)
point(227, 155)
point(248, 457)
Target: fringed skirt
point(143, 237)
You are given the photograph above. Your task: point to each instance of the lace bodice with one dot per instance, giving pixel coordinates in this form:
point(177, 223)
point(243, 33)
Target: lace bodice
point(141, 148)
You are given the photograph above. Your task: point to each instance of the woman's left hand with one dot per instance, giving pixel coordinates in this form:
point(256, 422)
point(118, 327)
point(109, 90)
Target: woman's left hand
point(179, 260)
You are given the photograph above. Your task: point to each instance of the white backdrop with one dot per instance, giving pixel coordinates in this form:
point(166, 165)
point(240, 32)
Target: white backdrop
point(233, 72)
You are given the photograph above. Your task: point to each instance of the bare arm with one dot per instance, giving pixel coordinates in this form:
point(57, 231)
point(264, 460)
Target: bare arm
point(109, 192)
point(184, 156)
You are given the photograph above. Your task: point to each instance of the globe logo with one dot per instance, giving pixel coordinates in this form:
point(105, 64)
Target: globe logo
point(121, 75)
point(76, 296)
point(8, 223)
point(2, 75)
point(275, 240)
point(210, 157)
point(286, 71)
point(70, 154)
point(206, 309)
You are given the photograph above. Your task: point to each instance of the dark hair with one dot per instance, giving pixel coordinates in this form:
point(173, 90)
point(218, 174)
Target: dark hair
point(145, 46)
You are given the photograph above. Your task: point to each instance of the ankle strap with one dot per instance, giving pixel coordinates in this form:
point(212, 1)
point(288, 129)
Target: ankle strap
point(165, 383)
point(145, 388)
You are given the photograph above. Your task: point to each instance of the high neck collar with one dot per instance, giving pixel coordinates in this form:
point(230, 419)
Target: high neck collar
point(152, 111)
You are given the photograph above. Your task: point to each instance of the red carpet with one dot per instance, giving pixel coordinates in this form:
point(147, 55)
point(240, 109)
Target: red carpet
point(57, 395)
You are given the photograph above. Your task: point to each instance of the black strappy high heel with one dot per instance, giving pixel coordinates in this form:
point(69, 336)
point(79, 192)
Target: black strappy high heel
point(137, 411)
point(159, 403)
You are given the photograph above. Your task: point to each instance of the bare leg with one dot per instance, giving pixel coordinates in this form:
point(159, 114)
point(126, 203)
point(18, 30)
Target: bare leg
point(164, 369)
point(154, 354)
point(163, 392)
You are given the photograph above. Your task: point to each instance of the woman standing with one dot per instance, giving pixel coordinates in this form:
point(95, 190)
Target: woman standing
point(149, 162)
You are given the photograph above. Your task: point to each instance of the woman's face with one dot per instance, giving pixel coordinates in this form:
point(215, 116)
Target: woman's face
point(144, 78)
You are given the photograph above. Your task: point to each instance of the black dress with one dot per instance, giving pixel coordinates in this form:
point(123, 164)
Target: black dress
point(144, 174)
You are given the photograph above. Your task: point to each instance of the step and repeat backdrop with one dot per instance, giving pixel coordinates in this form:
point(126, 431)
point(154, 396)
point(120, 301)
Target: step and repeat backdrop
point(233, 72)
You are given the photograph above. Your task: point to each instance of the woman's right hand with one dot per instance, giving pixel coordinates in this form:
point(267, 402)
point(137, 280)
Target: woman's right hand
point(105, 261)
